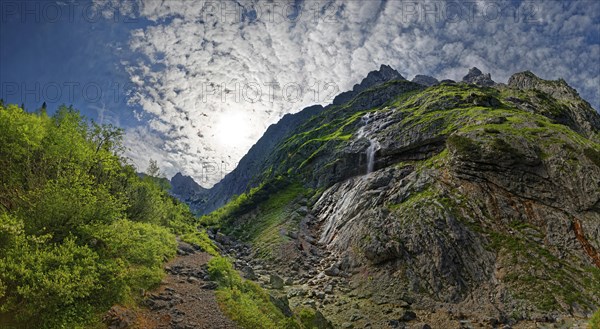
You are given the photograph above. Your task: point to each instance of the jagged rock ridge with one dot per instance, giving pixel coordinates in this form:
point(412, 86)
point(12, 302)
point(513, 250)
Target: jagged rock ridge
point(477, 77)
point(385, 74)
point(425, 80)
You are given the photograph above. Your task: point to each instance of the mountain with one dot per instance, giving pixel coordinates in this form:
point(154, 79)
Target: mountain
point(460, 204)
point(186, 189)
point(251, 167)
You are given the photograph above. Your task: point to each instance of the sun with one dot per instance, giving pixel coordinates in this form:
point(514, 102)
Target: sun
point(233, 129)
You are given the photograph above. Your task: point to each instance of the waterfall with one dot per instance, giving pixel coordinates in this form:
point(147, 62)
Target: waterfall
point(373, 147)
point(370, 158)
point(373, 143)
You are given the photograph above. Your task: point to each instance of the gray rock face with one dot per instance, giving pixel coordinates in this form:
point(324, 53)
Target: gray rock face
point(569, 108)
point(476, 201)
point(385, 74)
point(276, 281)
point(352, 222)
point(425, 80)
point(420, 223)
point(475, 76)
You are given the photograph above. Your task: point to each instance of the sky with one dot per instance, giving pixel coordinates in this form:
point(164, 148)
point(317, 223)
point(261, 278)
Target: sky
point(194, 84)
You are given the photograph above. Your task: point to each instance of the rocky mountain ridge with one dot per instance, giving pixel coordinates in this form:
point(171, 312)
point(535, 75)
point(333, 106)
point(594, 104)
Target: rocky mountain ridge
point(411, 204)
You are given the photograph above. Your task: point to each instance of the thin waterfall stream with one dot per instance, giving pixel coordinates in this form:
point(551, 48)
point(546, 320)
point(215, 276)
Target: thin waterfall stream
point(373, 144)
point(373, 147)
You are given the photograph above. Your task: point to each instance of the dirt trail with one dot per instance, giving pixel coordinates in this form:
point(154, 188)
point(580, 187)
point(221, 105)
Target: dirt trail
point(185, 299)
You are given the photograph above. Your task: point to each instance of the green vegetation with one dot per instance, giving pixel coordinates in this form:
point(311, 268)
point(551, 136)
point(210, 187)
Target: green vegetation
point(248, 304)
point(463, 145)
point(273, 217)
point(271, 205)
point(595, 320)
point(79, 230)
point(244, 203)
point(531, 263)
point(200, 239)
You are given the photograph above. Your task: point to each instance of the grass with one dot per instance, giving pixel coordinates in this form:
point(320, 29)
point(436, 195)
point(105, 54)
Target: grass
point(273, 216)
point(531, 264)
point(248, 304)
point(258, 216)
point(244, 301)
point(201, 239)
point(595, 320)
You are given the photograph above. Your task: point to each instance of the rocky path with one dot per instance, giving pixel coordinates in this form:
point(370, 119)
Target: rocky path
point(184, 300)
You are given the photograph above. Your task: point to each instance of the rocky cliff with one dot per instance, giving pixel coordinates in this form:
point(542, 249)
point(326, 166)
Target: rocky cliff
point(454, 204)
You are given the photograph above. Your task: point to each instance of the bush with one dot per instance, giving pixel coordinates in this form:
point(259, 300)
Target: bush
point(201, 239)
point(142, 246)
point(221, 270)
point(244, 301)
point(47, 285)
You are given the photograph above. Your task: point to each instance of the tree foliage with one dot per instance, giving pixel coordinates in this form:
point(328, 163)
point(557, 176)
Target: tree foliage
point(79, 229)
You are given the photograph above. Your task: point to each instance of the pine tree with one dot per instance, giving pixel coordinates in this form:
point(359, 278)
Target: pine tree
point(153, 169)
point(43, 109)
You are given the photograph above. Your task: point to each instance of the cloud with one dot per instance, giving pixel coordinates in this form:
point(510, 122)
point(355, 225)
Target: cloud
point(204, 63)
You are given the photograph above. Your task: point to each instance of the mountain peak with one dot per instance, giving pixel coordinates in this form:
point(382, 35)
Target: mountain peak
point(425, 80)
point(185, 186)
point(475, 76)
point(384, 74)
point(559, 89)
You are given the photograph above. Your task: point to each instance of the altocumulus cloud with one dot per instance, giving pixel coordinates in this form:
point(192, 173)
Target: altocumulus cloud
point(211, 76)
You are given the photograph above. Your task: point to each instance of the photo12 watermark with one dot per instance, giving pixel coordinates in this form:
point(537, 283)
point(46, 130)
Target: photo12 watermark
point(452, 11)
point(132, 11)
point(69, 92)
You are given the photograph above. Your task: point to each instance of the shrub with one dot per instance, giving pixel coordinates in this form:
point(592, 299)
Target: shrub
point(244, 301)
point(142, 246)
point(79, 230)
point(201, 239)
point(221, 270)
point(48, 285)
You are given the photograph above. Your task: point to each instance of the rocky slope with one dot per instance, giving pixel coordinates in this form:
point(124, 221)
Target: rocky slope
point(457, 204)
